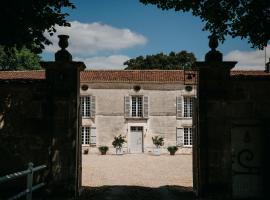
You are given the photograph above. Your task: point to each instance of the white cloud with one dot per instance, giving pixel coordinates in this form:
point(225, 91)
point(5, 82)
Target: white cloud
point(88, 39)
point(248, 59)
point(103, 62)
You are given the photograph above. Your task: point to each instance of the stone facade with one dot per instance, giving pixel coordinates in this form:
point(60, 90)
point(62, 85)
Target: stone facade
point(162, 120)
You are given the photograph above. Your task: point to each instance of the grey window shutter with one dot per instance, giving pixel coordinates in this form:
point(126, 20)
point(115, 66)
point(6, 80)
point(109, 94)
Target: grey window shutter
point(145, 106)
point(127, 106)
point(93, 106)
point(179, 107)
point(93, 136)
point(81, 106)
point(180, 137)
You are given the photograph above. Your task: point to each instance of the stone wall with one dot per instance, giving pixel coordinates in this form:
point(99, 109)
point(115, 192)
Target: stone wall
point(24, 135)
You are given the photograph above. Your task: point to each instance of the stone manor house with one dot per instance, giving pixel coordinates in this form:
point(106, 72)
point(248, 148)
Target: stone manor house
point(138, 105)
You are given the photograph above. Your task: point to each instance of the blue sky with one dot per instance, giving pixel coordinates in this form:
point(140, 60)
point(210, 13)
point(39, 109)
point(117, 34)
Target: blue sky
point(105, 33)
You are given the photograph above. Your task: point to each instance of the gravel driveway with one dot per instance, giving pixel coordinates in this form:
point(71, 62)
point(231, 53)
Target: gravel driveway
point(136, 170)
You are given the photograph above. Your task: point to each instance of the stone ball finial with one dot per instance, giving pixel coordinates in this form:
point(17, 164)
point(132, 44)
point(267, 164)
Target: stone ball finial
point(63, 41)
point(63, 54)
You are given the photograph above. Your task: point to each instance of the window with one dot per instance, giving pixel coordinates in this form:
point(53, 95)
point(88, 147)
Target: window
point(88, 106)
point(187, 136)
point(136, 106)
point(85, 106)
point(188, 101)
point(184, 137)
point(85, 135)
point(88, 135)
point(136, 128)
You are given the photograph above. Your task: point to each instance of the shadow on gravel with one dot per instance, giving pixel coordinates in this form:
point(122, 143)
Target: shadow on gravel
point(137, 193)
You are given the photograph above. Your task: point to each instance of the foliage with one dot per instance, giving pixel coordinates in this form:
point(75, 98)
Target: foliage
point(172, 149)
point(118, 141)
point(172, 61)
point(23, 59)
point(103, 149)
point(158, 141)
point(246, 19)
point(24, 22)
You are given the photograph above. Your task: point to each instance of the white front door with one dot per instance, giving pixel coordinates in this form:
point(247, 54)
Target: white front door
point(136, 139)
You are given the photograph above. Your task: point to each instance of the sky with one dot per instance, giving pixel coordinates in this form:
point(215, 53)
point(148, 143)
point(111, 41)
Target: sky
point(106, 33)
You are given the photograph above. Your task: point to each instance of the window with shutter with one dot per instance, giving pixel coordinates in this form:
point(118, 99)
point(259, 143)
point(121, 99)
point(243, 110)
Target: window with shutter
point(179, 107)
point(180, 137)
point(85, 106)
point(188, 103)
point(127, 106)
point(93, 136)
point(93, 106)
point(145, 107)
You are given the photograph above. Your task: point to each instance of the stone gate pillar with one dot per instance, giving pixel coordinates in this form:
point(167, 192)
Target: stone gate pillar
point(213, 141)
point(63, 84)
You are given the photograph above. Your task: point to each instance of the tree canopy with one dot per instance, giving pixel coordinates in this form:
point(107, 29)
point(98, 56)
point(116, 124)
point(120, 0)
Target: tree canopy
point(238, 18)
point(22, 59)
point(181, 60)
point(24, 22)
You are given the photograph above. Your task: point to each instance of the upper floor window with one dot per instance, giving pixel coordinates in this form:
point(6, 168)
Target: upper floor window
point(87, 106)
point(188, 102)
point(184, 106)
point(136, 106)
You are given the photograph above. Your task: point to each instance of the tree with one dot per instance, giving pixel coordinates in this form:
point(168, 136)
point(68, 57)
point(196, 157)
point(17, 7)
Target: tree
point(24, 22)
point(174, 60)
point(238, 18)
point(22, 59)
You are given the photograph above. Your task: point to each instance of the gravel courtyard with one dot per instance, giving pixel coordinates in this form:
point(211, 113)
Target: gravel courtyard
point(136, 170)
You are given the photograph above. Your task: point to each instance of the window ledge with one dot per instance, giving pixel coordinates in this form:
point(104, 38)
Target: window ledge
point(88, 117)
point(184, 118)
point(137, 118)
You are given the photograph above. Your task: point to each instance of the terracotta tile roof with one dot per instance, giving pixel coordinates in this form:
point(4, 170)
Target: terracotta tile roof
point(34, 75)
point(124, 75)
point(240, 73)
point(132, 76)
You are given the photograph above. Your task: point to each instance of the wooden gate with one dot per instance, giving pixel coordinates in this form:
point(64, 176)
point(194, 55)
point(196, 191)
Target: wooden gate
point(247, 179)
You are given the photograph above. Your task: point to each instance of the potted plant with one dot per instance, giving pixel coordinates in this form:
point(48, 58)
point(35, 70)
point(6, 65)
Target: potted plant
point(85, 151)
point(172, 149)
point(158, 142)
point(118, 143)
point(103, 149)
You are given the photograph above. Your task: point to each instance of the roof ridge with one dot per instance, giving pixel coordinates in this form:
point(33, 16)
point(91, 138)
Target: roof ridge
point(17, 71)
point(140, 70)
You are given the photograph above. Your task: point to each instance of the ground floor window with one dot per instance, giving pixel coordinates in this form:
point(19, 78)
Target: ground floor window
point(187, 136)
point(88, 135)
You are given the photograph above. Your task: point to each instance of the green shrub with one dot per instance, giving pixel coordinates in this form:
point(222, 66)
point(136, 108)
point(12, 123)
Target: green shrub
point(103, 149)
point(118, 141)
point(172, 149)
point(158, 141)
